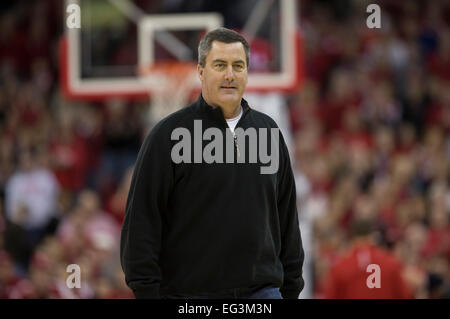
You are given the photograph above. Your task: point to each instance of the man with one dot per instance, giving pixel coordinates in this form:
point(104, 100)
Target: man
point(365, 271)
point(32, 195)
point(213, 229)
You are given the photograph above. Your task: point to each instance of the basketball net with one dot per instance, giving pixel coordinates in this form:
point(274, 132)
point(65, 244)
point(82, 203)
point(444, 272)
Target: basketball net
point(170, 85)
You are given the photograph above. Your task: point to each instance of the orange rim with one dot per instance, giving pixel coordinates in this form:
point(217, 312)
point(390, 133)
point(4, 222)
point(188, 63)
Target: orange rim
point(173, 70)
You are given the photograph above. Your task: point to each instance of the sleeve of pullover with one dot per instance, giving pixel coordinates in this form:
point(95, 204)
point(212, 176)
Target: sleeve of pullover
point(292, 254)
point(147, 202)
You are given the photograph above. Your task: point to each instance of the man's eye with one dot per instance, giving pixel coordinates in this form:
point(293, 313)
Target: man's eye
point(239, 66)
point(220, 65)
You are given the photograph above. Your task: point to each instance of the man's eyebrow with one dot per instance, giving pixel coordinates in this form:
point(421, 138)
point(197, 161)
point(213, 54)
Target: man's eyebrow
point(223, 61)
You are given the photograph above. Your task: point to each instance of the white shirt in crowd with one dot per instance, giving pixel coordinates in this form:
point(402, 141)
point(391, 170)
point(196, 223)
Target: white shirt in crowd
point(38, 190)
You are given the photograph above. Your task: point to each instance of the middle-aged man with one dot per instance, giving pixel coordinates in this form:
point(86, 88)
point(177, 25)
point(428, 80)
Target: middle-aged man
point(203, 219)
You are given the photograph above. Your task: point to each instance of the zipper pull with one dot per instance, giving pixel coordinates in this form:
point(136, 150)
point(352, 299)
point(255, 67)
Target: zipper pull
point(235, 143)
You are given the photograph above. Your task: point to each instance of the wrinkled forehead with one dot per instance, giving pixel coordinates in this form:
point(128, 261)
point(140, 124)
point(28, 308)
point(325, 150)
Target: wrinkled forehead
point(228, 52)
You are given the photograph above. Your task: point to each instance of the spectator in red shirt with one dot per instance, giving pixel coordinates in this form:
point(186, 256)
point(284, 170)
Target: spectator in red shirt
point(304, 108)
point(69, 156)
point(116, 203)
point(438, 237)
point(439, 62)
point(349, 276)
point(339, 96)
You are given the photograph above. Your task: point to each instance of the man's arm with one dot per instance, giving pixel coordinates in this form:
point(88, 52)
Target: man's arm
point(147, 202)
point(292, 254)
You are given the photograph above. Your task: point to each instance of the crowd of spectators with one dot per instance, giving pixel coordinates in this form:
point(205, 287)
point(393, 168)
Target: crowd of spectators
point(65, 168)
point(371, 125)
point(371, 136)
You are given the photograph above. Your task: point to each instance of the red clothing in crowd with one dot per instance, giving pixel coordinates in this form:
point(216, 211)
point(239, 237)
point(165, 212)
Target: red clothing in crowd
point(439, 65)
point(332, 111)
point(69, 163)
point(115, 206)
point(438, 114)
point(347, 278)
point(437, 243)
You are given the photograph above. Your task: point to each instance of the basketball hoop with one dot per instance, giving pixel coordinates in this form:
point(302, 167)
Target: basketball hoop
point(170, 85)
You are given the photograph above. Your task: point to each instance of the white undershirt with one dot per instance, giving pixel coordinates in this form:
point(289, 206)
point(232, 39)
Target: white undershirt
point(233, 122)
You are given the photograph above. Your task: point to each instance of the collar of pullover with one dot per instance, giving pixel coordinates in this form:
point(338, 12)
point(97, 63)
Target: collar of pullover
point(216, 112)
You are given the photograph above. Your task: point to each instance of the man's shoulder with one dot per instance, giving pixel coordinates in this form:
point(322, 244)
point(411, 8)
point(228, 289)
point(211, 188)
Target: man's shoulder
point(262, 119)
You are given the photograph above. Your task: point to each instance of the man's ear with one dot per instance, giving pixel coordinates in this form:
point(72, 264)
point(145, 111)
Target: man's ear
point(200, 72)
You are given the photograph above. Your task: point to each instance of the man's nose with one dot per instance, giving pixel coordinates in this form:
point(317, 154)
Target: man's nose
point(229, 75)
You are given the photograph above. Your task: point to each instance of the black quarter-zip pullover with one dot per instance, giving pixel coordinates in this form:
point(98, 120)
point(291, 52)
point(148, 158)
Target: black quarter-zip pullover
point(205, 229)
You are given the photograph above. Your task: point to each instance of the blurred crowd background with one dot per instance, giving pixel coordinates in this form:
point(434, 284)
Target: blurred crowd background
point(370, 126)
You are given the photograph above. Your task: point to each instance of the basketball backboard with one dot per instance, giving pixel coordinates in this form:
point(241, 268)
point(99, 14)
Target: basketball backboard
point(118, 38)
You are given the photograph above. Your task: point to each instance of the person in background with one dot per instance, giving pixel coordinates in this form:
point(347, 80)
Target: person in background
point(348, 277)
point(31, 196)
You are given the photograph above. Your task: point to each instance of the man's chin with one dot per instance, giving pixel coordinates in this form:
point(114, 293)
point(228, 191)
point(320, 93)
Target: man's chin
point(229, 100)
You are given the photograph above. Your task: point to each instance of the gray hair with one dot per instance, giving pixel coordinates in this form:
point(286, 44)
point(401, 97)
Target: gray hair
point(222, 35)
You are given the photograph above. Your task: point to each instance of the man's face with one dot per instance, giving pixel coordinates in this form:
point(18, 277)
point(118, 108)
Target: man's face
point(224, 76)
